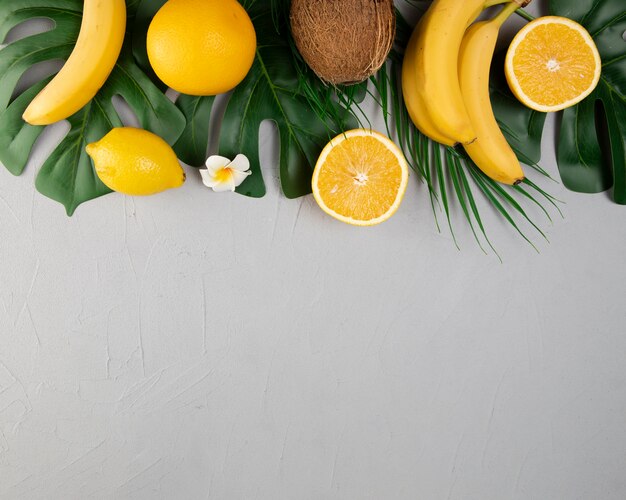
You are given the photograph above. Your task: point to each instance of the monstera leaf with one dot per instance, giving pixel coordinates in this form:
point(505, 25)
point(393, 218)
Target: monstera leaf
point(68, 175)
point(592, 141)
point(522, 126)
point(273, 90)
point(192, 145)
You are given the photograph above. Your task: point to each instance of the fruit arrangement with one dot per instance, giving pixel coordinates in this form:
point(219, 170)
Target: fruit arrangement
point(306, 66)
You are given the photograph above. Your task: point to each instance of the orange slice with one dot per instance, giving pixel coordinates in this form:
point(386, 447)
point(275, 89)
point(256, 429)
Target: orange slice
point(552, 64)
point(360, 178)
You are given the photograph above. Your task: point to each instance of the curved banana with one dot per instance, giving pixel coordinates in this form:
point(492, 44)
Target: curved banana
point(430, 74)
point(413, 100)
point(437, 49)
point(490, 151)
point(88, 67)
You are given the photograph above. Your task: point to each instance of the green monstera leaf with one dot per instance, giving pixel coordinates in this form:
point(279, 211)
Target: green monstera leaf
point(592, 140)
point(522, 126)
point(68, 175)
point(192, 145)
point(274, 90)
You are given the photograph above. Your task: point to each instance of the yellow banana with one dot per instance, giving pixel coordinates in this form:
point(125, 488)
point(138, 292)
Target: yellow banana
point(490, 151)
point(413, 100)
point(430, 74)
point(437, 49)
point(88, 67)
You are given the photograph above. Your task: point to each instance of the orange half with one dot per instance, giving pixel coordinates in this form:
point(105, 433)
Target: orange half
point(552, 64)
point(360, 178)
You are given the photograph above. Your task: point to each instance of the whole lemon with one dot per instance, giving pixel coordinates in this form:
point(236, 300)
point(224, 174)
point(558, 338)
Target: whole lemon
point(201, 47)
point(136, 162)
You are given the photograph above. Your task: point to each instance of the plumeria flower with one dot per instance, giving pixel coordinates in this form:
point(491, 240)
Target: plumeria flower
point(221, 174)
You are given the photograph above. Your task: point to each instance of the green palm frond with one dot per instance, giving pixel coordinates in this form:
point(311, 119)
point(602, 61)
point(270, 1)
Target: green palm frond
point(452, 178)
point(453, 181)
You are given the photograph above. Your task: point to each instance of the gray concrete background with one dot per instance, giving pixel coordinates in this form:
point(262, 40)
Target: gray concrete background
point(194, 345)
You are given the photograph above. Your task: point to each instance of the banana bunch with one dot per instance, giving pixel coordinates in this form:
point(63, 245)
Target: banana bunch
point(445, 82)
point(97, 49)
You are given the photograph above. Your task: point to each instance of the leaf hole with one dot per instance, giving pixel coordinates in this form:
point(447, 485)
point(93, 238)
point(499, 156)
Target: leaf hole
point(269, 155)
point(624, 36)
point(36, 73)
point(215, 127)
point(49, 140)
point(28, 28)
point(125, 112)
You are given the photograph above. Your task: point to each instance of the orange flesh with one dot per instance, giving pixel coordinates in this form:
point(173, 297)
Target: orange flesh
point(360, 178)
point(554, 64)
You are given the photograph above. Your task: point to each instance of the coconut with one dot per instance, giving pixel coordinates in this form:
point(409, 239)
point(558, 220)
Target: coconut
point(343, 41)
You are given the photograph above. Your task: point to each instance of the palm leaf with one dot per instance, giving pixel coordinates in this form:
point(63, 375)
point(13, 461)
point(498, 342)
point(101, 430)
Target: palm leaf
point(451, 177)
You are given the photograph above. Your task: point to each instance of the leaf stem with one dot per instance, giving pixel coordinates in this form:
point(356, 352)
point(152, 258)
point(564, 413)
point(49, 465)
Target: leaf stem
point(525, 15)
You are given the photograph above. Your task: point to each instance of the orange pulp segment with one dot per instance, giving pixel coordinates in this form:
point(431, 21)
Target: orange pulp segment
point(360, 178)
point(552, 64)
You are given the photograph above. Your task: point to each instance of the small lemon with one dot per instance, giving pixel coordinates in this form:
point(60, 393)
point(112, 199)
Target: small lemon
point(136, 162)
point(201, 47)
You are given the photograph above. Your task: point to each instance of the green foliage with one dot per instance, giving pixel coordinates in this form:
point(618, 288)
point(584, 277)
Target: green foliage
point(192, 145)
point(522, 126)
point(274, 90)
point(68, 175)
point(592, 140)
point(453, 180)
point(280, 88)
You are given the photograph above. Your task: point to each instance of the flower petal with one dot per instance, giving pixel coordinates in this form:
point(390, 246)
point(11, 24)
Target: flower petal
point(207, 179)
point(227, 185)
point(240, 163)
point(215, 163)
point(239, 177)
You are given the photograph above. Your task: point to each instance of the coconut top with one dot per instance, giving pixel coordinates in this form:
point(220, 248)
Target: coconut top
point(343, 41)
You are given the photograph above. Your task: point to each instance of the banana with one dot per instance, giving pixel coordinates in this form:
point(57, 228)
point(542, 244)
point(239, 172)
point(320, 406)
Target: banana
point(490, 151)
point(437, 49)
point(88, 67)
point(413, 100)
point(430, 70)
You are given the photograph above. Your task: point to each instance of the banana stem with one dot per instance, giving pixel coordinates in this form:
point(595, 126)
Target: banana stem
point(505, 13)
point(491, 3)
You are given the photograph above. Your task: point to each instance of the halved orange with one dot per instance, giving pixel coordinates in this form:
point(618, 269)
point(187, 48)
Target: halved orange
point(360, 178)
point(552, 64)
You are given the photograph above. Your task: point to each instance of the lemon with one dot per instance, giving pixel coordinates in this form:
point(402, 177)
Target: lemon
point(201, 47)
point(136, 162)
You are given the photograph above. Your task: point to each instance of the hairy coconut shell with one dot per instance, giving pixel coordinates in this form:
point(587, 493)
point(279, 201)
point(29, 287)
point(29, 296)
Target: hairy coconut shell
point(343, 41)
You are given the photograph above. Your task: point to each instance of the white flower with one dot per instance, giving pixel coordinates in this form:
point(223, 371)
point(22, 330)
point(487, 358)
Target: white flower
point(221, 174)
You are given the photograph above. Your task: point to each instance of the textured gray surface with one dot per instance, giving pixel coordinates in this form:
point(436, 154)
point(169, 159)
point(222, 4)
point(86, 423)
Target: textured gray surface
point(195, 345)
